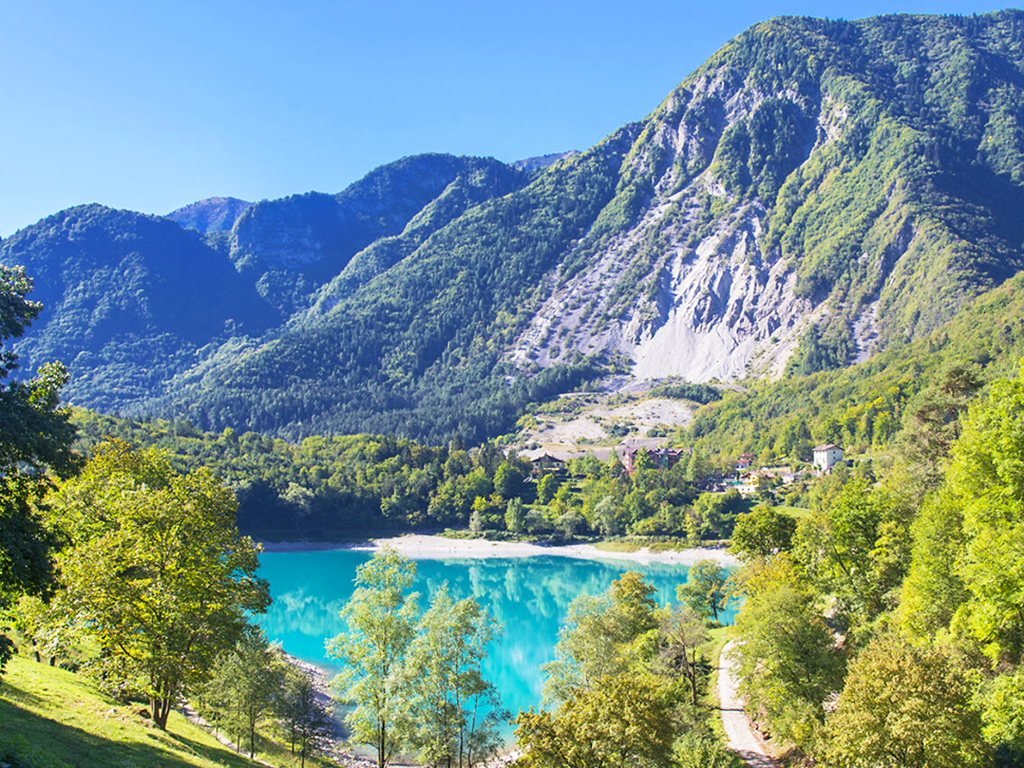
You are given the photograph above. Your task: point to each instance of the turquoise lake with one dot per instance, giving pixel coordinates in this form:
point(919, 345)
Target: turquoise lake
point(528, 596)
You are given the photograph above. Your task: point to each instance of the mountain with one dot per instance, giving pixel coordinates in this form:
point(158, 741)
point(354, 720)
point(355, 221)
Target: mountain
point(128, 300)
point(816, 192)
point(215, 214)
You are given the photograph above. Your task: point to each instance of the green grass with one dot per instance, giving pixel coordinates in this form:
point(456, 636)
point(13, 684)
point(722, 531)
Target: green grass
point(51, 718)
point(795, 512)
point(616, 546)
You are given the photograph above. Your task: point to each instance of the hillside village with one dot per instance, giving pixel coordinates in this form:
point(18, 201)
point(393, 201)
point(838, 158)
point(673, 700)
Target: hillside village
point(747, 478)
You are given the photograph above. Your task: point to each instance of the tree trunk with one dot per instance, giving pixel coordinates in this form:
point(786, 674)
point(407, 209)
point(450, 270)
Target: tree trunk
point(161, 709)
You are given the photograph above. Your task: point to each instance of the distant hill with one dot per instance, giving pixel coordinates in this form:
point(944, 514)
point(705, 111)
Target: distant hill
point(215, 214)
point(816, 192)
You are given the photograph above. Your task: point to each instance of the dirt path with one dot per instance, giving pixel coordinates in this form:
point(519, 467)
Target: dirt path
point(739, 734)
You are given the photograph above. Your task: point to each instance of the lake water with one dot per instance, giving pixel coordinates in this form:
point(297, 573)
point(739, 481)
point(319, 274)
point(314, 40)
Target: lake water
point(527, 596)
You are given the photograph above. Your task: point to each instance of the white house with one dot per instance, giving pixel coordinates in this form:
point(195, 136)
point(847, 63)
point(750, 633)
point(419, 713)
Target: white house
point(827, 456)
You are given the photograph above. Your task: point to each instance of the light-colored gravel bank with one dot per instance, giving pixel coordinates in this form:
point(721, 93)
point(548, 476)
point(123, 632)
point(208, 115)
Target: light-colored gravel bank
point(422, 547)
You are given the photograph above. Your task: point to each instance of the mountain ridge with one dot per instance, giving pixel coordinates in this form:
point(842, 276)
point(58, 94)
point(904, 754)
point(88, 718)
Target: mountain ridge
point(815, 192)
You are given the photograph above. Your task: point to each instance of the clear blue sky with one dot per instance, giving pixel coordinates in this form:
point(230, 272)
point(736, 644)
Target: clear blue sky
point(152, 105)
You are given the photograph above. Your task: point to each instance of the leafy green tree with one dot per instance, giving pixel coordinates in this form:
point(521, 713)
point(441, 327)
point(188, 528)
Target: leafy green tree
point(1002, 700)
point(308, 722)
point(683, 634)
point(701, 750)
point(786, 653)
point(244, 685)
point(704, 590)
point(515, 516)
point(978, 512)
point(157, 572)
point(599, 637)
point(855, 548)
point(508, 480)
point(381, 621)
point(35, 438)
point(623, 720)
point(905, 706)
point(717, 512)
point(933, 588)
point(933, 416)
point(607, 517)
point(456, 711)
point(547, 488)
point(762, 533)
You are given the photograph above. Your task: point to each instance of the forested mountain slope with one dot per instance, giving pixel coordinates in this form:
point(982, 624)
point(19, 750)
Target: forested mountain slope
point(814, 193)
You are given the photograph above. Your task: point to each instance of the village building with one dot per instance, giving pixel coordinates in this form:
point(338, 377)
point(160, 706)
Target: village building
point(744, 462)
point(661, 458)
point(827, 456)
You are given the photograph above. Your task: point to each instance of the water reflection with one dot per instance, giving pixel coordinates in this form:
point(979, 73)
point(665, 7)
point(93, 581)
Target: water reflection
point(527, 596)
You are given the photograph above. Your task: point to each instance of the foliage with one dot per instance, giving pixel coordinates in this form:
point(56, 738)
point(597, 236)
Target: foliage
point(704, 590)
point(156, 572)
point(597, 640)
point(856, 550)
point(762, 533)
point(243, 687)
point(416, 684)
point(381, 620)
point(786, 653)
point(35, 437)
point(309, 725)
point(624, 719)
point(455, 710)
point(698, 393)
point(905, 706)
point(683, 635)
point(985, 482)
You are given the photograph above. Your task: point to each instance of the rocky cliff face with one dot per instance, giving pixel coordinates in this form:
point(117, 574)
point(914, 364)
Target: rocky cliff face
point(215, 214)
point(785, 186)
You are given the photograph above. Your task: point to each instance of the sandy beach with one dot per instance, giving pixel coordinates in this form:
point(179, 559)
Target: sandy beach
point(424, 547)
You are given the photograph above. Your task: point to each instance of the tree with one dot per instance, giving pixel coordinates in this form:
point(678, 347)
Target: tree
point(381, 620)
point(697, 750)
point(979, 515)
point(786, 653)
point(157, 573)
point(515, 516)
point(717, 512)
point(606, 514)
point(683, 633)
point(855, 549)
point(547, 488)
point(762, 533)
point(1003, 715)
point(455, 709)
point(932, 421)
point(35, 439)
point(600, 636)
point(905, 707)
point(704, 590)
point(305, 716)
point(245, 681)
point(508, 480)
point(624, 720)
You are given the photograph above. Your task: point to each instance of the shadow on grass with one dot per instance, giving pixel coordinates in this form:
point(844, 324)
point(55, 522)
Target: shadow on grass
point(52, 741)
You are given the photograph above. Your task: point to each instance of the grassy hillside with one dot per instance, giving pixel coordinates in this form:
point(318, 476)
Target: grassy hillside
point(51, 718)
